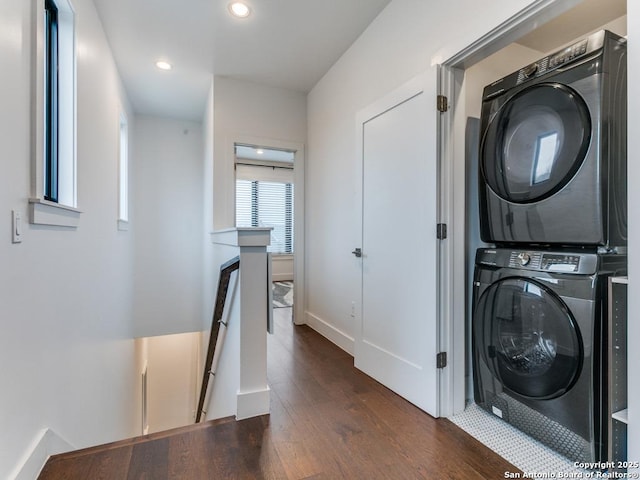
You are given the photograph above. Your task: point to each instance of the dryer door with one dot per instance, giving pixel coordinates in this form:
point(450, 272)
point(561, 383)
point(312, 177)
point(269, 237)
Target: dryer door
point(535, 143)
point(528, 338)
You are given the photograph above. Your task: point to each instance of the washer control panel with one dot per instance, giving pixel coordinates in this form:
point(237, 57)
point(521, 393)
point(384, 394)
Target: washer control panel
point(551, 262)
point(557, 261)
point(525, 259)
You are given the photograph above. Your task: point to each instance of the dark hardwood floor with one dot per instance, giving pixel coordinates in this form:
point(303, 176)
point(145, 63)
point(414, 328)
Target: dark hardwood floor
point(327, 421)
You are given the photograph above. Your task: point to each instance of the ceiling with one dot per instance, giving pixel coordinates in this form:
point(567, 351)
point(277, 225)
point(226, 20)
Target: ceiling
point(284, 43)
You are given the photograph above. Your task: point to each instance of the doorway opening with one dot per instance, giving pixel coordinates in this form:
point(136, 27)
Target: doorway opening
point(269, 192)
point(540, 29)
point(169, 367)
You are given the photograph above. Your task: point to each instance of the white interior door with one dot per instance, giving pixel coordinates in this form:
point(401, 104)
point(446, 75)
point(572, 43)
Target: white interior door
point(398, 338)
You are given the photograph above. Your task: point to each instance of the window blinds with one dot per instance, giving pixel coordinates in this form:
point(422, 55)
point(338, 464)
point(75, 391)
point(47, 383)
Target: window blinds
point(264, 198)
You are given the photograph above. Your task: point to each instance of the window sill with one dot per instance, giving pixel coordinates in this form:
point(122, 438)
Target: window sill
point(43, 212)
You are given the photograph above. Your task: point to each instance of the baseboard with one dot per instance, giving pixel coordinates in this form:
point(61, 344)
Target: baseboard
point(46, 443)
point(341, 339)
point(252, 404)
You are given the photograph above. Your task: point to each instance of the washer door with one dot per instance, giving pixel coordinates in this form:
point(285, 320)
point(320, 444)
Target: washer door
point(535, 143)
point(528, 338)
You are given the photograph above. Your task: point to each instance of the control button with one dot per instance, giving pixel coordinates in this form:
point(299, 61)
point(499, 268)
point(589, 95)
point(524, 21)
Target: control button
point(524, 258)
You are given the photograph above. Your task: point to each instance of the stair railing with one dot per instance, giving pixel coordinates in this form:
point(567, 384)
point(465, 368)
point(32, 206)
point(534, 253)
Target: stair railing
point(216, 339)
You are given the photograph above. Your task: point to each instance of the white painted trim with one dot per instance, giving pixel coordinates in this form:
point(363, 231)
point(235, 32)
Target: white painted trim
point(299, 258)
point(523, 22)
point(68, 122)
point(405, 92)
point(327, 330)
point(243, 236)
point(252, 404)
point(45, 444)
point(42, 212)
point(452, 311)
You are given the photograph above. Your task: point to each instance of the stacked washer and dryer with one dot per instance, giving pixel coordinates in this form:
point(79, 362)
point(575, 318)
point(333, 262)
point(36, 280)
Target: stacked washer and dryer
point(552, 194)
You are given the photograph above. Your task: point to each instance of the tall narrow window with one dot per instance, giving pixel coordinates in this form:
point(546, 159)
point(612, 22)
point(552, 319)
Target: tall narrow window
point(51, 102)
point(54, 199)
point(123, 167)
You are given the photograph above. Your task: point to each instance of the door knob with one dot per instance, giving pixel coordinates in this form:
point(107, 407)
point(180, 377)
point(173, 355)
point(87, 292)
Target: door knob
point(357, 252)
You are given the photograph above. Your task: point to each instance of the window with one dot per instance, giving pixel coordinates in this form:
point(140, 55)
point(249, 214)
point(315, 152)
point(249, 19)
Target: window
point(123, 172)
point(265, 197)
point(54, 199)
point(51, 102)
point(267, 204)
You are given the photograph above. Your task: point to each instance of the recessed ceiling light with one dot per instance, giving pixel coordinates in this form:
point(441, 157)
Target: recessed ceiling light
point(162, 65)
point(239, 9)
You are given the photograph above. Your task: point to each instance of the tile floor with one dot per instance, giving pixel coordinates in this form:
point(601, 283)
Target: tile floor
point(521, 450)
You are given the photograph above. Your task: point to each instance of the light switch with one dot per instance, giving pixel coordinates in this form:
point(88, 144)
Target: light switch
point(16, 226)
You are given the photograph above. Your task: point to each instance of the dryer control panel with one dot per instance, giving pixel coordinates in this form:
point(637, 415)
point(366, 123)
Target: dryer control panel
point(577, 50)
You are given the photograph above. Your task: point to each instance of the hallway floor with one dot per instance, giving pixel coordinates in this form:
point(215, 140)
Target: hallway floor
point(328, 421)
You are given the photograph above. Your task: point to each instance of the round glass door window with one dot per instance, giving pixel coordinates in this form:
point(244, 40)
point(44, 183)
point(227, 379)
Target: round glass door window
point(535, 143)
point(528, 338)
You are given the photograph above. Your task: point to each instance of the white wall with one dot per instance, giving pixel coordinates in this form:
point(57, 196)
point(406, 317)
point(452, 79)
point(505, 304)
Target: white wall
point(209, 269)
point(398, 45)
point(168, 209)
point(173, 377)
point(66, 322)
point(282, 268)
point(259, 113)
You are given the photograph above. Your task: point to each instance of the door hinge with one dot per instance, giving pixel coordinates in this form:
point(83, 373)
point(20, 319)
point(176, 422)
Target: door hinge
point(443, 103)
point(441, 360)
point(441, 231)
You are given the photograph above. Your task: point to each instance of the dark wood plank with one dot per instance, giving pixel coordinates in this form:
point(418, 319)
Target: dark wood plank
point(328, 421)
point(188, 456)
point(111, 464)
point(67, 469)
point(150, 460)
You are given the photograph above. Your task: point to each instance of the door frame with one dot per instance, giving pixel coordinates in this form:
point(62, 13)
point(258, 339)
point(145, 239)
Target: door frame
point(299, 161)
point(450, 151)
